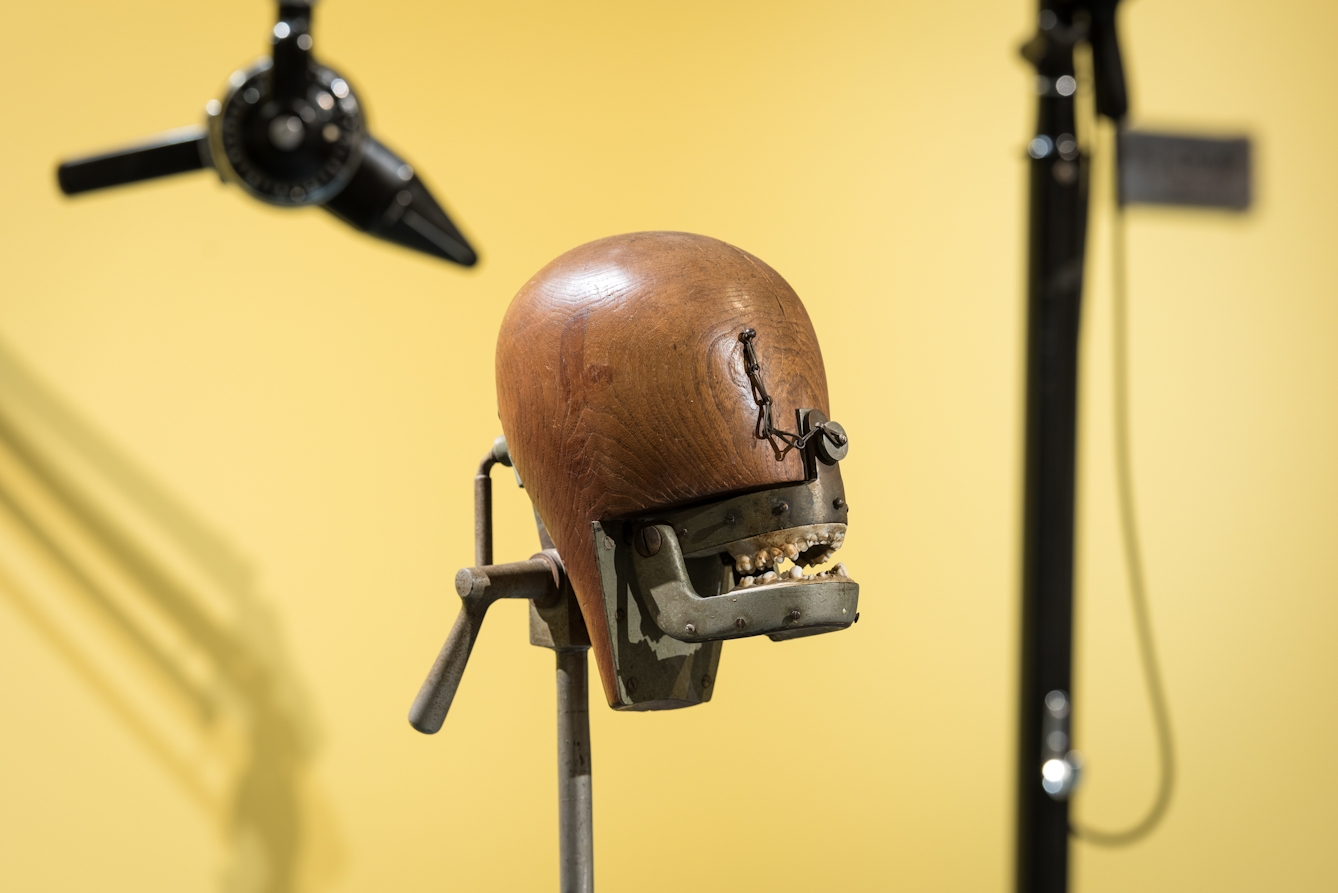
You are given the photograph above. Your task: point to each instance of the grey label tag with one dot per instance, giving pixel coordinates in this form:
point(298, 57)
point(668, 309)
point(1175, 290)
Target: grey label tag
point(1167, 169)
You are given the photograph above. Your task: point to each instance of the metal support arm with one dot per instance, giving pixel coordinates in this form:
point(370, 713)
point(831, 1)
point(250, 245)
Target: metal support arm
point(555, 623)
point(538, 579)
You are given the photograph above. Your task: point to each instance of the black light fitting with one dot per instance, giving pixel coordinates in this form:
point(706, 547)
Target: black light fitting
point(292, 132)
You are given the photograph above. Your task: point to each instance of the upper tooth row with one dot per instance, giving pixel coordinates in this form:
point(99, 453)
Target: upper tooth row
point(776, 554)
point(794, 574)
point(746, 564)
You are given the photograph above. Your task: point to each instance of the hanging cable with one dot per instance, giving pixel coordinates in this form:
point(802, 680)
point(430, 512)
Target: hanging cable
point(1133, 557)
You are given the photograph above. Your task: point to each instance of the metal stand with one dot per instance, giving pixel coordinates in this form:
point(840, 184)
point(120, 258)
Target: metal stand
point(1047, 771)
point(555, 623)
point(576, 831)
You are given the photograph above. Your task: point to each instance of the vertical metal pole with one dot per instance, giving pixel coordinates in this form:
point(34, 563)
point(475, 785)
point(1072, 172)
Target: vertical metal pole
point(483, 512)
point(570, 642)
point(1058, 217)
point(575, 813)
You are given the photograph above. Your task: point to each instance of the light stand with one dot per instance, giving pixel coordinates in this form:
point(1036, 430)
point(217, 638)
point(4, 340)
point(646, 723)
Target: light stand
point(1046, 769)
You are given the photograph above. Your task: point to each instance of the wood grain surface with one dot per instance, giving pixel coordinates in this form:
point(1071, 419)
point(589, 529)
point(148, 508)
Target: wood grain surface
point(621, 386)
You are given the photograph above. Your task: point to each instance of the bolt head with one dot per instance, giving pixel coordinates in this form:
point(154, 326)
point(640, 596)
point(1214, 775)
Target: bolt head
point(690, 628)
point(833, 444)
point(740, 623)
point(648, 541)
point(465, 582)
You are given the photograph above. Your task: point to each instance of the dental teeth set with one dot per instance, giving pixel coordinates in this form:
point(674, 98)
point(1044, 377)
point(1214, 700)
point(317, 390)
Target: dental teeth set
point(765, 565)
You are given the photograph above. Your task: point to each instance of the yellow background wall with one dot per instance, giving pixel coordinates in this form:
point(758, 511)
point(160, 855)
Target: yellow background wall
point(322, 400)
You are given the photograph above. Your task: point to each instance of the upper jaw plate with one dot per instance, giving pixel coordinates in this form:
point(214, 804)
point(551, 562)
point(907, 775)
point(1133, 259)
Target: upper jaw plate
point(710, 528)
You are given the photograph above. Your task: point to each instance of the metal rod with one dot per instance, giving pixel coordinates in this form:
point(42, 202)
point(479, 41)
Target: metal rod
point(483, 512)
point(175, 152)
point(575, 812)
point(478, 587)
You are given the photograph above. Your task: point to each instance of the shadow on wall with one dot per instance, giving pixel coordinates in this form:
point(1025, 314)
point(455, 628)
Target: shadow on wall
point(161, 619)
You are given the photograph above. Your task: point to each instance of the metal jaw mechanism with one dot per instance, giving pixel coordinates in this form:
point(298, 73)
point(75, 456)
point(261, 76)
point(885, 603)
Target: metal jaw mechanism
point(291, 132)
point(677, 583)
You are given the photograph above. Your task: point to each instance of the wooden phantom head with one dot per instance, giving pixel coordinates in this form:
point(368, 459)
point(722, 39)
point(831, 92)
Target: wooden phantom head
point(665, 405)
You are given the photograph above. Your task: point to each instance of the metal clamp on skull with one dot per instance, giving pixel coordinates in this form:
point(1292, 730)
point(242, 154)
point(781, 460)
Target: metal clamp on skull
point(732, 567)
point(757, 545)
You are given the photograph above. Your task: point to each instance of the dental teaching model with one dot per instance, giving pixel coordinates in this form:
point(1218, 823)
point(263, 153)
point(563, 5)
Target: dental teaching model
point(643, 382)
point(665, 407)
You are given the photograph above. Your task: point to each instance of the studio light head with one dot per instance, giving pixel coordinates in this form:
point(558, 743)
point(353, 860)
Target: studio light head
point(292, 132)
